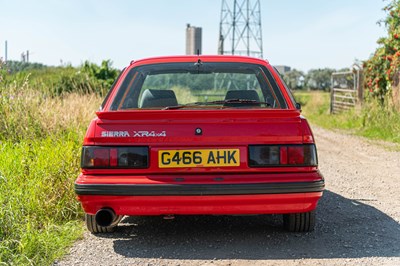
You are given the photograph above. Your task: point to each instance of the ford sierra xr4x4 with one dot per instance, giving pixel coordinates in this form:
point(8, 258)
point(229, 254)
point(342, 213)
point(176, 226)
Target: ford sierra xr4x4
point(199, 135)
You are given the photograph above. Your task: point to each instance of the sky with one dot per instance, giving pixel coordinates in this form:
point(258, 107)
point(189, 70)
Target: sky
point(302, 34)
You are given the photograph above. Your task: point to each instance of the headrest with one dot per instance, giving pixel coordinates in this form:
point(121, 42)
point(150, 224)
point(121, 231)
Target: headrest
point(158, 98)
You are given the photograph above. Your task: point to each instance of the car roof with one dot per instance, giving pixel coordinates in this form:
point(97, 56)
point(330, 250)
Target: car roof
point(194, 58)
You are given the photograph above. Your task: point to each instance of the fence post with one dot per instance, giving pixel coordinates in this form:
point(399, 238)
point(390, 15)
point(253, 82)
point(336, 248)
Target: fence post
point(360, 85)
point(332, 91)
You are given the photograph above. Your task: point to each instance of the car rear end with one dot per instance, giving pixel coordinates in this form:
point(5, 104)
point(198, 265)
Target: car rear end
point(199, 135)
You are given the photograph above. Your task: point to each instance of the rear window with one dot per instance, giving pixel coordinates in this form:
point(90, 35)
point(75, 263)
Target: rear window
point(198, 85)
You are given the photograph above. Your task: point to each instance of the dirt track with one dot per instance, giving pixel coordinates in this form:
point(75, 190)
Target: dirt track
point(358, 223)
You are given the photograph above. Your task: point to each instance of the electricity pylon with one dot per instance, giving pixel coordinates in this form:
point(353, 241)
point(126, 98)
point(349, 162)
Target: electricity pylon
point(240, 28)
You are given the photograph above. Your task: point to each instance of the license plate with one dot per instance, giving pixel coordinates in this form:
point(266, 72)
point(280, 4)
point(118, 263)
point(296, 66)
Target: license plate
point(198, 158)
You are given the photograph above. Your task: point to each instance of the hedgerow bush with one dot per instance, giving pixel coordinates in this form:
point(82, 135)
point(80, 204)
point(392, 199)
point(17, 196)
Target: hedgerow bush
point(382, 69)
point(56, 81)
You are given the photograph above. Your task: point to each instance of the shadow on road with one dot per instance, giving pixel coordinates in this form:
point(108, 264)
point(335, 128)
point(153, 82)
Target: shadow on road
point(345, 229)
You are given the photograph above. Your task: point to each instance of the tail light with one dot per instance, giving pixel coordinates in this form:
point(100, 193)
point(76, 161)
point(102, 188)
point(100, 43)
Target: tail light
point(114, 157)
point(282, 155)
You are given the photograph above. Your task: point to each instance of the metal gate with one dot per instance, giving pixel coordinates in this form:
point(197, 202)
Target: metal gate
point(347, 89)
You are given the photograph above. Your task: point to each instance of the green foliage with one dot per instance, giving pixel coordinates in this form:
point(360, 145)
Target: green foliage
point(372, 121)
point(39, 214)
point(17, 66)
point(294, 79)
point(79, 82)
point(56, 81)
point(384, 65)
point(319, 79)
point(104, 73)
point(314, 79)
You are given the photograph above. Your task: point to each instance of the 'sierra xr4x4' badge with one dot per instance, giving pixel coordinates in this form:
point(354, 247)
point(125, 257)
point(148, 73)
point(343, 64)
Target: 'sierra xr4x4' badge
point(123, 134)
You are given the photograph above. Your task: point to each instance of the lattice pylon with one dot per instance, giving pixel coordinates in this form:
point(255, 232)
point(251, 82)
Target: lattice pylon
point(240, 28)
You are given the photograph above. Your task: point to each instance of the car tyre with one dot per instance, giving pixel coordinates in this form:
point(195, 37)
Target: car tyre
point(299, 222)
point(95, 229)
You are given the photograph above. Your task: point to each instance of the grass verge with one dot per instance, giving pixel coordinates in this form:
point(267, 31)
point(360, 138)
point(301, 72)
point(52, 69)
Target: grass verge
point(370, 120)
point(39, 213)
point(40, 143)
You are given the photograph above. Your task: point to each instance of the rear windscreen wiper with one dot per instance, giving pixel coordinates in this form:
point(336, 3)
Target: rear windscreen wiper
point(196, 104)
point(239, 101)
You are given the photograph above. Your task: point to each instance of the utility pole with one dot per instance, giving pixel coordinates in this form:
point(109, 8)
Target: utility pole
point(27, 56)
point(240, 28)
point(5, 52)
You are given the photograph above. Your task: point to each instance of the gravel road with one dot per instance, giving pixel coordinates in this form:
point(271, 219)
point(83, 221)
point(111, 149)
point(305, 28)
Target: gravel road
point(358, 222)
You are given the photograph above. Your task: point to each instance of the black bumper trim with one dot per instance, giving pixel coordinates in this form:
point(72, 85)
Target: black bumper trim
point(198, 190)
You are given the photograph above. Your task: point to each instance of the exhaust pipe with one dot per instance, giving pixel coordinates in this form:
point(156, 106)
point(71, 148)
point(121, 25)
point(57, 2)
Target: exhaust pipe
point(106, 217)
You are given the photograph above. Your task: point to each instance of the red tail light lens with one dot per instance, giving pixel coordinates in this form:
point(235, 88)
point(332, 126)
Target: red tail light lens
point(282, 155)
point(114, 157)
point(101, 157)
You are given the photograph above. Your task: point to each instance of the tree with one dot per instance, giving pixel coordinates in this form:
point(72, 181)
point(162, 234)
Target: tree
point(319, 79)
point(382, 70)
point(294, 79)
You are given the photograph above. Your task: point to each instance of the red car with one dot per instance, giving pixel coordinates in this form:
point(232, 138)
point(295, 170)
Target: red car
point(198, 135)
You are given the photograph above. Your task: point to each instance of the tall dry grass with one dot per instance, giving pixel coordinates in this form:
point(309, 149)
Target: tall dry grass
point(72, 110)
point(30, 114)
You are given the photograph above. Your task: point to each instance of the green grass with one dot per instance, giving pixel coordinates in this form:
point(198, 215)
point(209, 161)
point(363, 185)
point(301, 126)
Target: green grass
point(40, 216)
point(370, 120)
point(40, 143)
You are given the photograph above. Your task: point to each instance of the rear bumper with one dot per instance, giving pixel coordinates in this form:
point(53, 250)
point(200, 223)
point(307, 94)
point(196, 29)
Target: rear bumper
point(197, 189)
point(196, 205)
point(198, 198)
